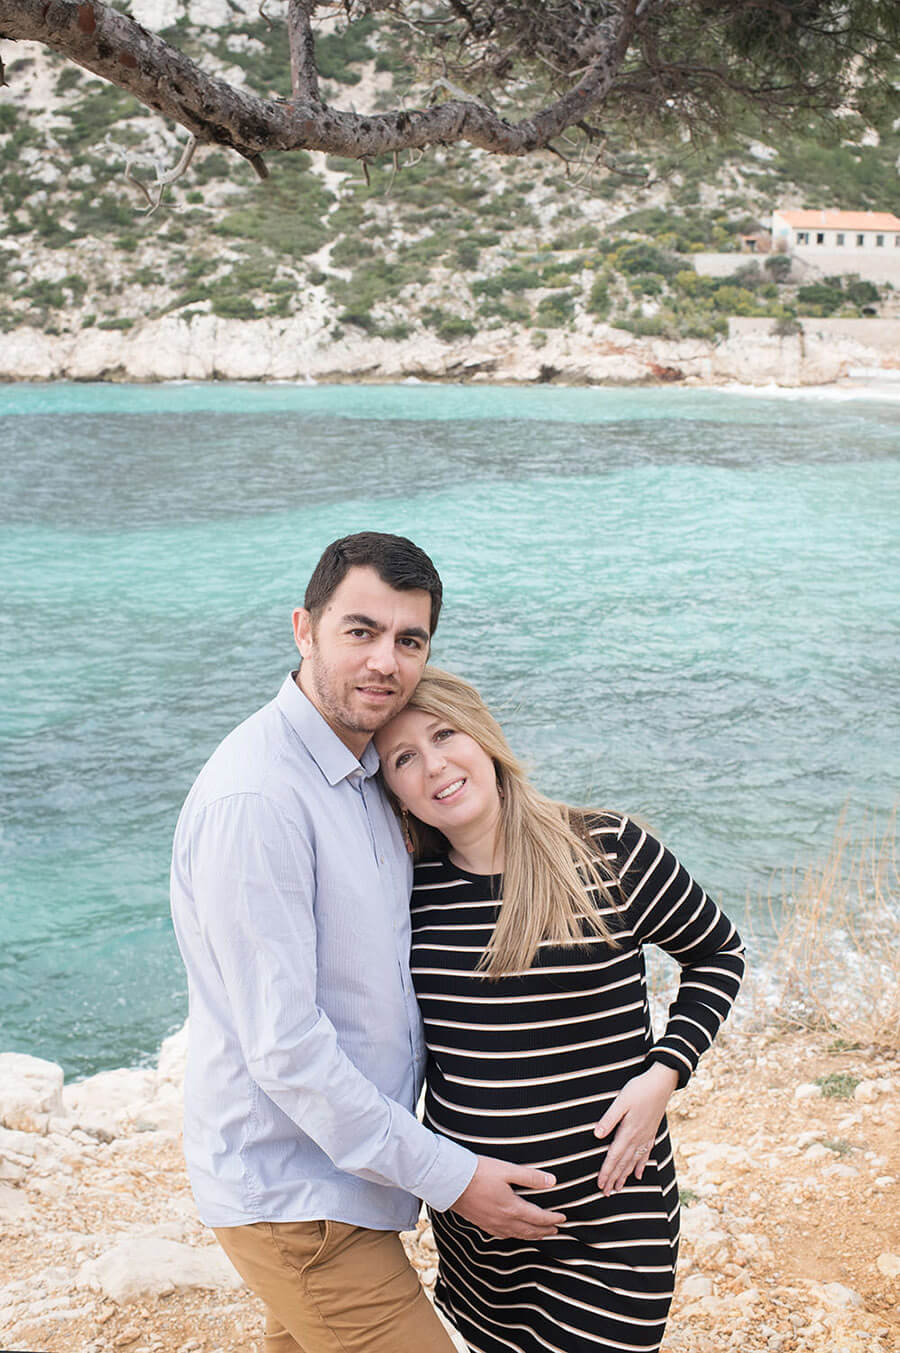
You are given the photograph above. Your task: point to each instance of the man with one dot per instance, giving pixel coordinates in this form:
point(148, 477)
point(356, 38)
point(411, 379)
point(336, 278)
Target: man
point(290, 890)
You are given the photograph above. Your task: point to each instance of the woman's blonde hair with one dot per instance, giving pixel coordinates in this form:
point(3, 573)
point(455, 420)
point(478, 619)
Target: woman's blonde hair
point(553, 880)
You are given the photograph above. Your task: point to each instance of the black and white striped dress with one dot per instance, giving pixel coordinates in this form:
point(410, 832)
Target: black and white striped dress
point(523, 1067)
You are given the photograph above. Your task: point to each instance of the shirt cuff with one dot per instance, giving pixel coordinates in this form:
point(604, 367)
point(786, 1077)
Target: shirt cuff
point(449, 1175)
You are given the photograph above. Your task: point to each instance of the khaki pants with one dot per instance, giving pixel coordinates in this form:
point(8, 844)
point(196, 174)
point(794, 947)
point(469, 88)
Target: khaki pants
point(333, 1288)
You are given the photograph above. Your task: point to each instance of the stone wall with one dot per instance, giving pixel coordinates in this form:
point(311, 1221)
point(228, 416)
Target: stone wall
point(809, 265)
point(875, 335)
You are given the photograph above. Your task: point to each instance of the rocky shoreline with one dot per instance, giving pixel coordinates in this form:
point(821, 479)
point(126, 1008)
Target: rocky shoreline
point(789, 1165)
point(206, 347)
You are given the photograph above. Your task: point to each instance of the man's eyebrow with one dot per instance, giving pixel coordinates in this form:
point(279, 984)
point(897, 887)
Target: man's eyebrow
point(411, 631)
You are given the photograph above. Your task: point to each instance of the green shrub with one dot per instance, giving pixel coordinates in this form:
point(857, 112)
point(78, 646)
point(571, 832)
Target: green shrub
point(397, 331)
point(779, 266)
point(47, 225)
point(648, 284)
point(647, 326)
point(556, 310)
point(335, 52)
point(75, 284)
point(748, 276)
point(509, 309)
point(447, 327)
point(821, 297)
point(861, 293)
point(120, 323)
point(16, 188)
point(361, 319)
point(9, 116)
point(599, 302)
point(349, 249)
point(233, 305)
point(514, 278)
point(68, 78)
point(99, 108)
point(286, 212)
point(46, 295)
point(688, 282)
point(467, 254)
point(838, 1084)
point(212, 166)
point(641, 257)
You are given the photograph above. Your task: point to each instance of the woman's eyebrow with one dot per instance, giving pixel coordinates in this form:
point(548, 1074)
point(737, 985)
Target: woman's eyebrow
point(389, 751)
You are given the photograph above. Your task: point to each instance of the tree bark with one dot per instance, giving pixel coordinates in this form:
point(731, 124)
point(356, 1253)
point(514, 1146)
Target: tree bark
point(117, 48)
point(304, 76)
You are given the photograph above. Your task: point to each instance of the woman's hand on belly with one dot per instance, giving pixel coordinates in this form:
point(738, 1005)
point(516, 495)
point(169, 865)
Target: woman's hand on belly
point(635, 1113)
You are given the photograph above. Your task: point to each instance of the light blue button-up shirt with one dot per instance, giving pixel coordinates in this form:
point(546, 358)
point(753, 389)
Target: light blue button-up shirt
point(290, 898)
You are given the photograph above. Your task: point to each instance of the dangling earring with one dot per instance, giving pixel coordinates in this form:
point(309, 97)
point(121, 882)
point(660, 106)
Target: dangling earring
point(407, 835)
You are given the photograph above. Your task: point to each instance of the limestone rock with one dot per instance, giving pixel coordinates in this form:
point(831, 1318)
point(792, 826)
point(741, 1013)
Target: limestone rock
point(699, 1220)
point(818, 1152)
point(697, 1285)
point(163, 1113)
point(18, 1146)
point(808, 1091)
point(889, 1264)
point(156, 14)
point(30, 1091)
point(13, 1203)
point(101, 1104)
point(146, 1266)
point(840, 1171)
point(172, 1057)
point(836, 1294)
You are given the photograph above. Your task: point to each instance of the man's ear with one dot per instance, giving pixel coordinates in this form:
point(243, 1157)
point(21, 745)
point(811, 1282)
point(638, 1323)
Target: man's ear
point(303, 631)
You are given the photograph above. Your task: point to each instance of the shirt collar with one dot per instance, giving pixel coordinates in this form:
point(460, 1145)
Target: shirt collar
point(334, 759)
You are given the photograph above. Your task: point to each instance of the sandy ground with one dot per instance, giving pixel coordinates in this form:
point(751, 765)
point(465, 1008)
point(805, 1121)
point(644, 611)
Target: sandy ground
point(791, 1222)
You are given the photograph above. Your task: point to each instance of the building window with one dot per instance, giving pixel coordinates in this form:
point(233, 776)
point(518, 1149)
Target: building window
point(860, 241)
point(820, 238)
point(802, 237)
point(839, 238)
point(897, 241)
point(879, 240)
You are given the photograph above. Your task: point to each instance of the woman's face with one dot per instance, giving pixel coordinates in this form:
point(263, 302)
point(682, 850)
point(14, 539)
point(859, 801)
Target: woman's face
point(442, 776)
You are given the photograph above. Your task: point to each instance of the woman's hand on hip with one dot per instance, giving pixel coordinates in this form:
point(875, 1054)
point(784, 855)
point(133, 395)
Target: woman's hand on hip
point(635, 1114)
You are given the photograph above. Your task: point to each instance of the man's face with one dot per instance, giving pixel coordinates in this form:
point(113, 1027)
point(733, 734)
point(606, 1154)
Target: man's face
point(364, 657)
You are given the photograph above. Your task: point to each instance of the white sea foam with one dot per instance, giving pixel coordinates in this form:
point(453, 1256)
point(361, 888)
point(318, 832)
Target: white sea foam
point(886, 390)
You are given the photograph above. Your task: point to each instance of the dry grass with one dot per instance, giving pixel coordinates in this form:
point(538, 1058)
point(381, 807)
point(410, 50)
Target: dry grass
point(837, 927)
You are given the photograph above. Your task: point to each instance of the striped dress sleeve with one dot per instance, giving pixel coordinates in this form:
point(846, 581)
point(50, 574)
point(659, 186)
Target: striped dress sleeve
point(663, 905)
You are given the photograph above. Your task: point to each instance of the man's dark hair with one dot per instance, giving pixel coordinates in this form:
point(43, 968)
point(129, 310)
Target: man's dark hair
point(396, 560)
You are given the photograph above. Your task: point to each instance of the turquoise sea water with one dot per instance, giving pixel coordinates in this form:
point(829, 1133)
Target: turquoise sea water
point(681, 603)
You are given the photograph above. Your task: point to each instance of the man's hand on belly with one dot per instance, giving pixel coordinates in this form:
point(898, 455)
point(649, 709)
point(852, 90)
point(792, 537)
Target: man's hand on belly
point(489, 1201)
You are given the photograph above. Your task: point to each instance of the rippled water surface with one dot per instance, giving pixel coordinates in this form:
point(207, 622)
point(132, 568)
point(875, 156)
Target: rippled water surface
point(681, 603)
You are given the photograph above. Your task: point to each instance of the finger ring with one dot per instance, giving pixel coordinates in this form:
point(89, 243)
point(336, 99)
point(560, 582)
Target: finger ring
point(640, 1150)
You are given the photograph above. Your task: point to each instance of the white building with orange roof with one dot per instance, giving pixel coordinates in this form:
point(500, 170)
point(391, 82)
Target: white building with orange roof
point(825, 243)
point(802, 231)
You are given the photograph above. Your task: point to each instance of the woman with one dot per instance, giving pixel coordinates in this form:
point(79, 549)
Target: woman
point(528, 922)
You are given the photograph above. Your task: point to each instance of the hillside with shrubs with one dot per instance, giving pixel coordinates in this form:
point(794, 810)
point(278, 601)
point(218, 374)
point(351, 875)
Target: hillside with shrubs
point(454, 242)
